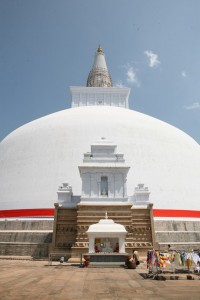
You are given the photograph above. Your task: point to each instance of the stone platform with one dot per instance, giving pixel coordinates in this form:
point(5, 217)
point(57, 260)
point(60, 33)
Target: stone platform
point(106, 259)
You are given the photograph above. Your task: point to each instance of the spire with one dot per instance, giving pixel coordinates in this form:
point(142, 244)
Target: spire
point(99, 76)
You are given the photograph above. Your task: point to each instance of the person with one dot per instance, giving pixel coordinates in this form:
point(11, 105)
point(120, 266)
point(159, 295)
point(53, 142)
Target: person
point(116, 248)
point(136, 257)
point(62, 259)
point(96, 248)
point(131, 262)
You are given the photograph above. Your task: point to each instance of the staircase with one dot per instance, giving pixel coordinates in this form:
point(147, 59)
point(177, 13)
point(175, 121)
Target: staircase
point(142, 229)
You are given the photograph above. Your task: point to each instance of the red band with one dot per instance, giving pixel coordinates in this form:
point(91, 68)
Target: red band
point(173, 213)
point(25, 213)
point(49, 212)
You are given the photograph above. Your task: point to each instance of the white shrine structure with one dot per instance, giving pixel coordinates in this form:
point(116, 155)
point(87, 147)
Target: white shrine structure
point(104, 175)
point(104, 178)
point(106, 236)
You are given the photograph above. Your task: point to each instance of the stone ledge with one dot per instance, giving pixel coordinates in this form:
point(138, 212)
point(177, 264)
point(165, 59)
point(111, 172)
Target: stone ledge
point(8, 257)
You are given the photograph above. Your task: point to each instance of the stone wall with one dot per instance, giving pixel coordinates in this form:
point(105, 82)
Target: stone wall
point(26, 224)
point(25, 238)
point(179, 234)
point(34, 237)
point(177, 225)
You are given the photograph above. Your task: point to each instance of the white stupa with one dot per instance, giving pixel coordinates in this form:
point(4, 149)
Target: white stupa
point(37, 157)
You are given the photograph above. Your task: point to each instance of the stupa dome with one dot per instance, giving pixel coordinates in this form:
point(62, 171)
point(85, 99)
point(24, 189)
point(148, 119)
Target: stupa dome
point(37, 157)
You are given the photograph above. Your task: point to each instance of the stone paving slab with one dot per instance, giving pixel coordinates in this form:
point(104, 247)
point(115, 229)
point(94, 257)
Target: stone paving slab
point(36, 280)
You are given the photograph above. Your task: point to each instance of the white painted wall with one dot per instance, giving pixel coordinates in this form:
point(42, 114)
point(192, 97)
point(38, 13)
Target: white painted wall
point(103, 161)
point(100, 96)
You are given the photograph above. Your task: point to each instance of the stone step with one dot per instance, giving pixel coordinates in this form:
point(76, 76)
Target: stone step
point(176, 225)
point(26, 225)
point(139, 222)
point(187, 246)
point(177, 236)
point(106, 265)
point(26, 236)
point(24, 249)
point(7, 257)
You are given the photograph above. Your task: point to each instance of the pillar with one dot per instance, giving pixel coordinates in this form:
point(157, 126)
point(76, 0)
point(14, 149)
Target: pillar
point(91, 244)
point(121, 245)
point(56, 205)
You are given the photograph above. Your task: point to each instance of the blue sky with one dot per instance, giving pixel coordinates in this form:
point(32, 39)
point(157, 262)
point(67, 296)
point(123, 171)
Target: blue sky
point(151, 46)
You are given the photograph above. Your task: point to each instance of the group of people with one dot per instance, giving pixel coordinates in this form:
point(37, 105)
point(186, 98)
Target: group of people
point(173, 258)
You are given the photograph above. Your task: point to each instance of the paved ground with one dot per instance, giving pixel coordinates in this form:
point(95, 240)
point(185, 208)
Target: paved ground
point(21, 279)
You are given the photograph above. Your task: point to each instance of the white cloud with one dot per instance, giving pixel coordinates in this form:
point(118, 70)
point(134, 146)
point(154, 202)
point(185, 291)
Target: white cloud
point(131, 76)
point(153, 58)
point(119, 84)
point(195, 105)
point(183, 73)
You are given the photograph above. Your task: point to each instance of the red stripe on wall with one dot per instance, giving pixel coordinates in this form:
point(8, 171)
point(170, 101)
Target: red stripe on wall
point(17, 213)
point(176, 213)
point(49, 212)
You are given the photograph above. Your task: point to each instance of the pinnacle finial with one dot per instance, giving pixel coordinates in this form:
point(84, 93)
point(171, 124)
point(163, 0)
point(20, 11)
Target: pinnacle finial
point(99, 50)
